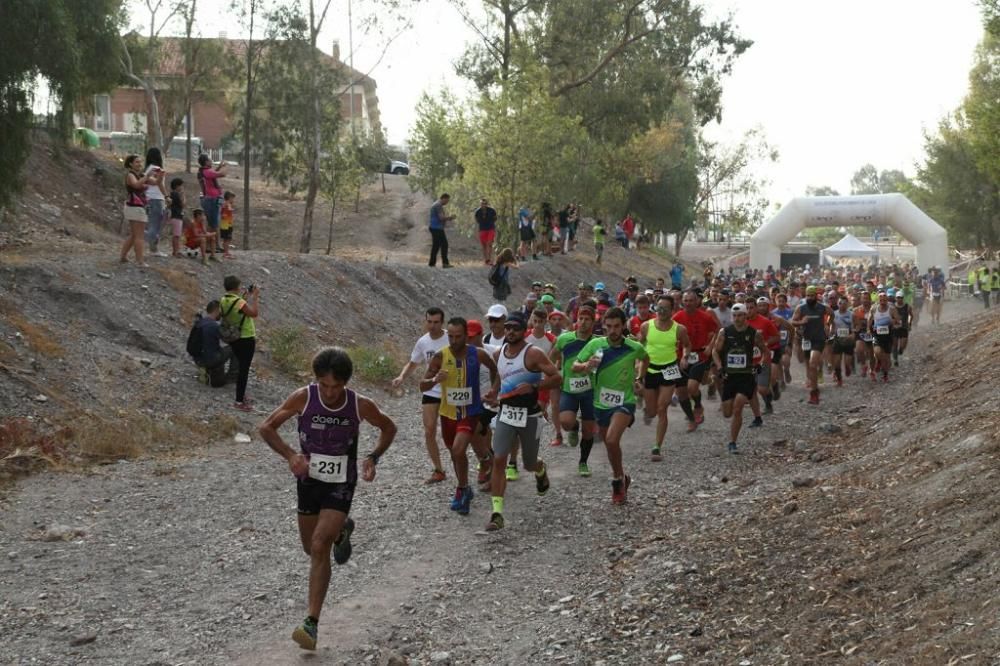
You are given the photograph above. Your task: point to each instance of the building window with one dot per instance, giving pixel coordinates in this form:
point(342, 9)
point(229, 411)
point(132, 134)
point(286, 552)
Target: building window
point(102, 113)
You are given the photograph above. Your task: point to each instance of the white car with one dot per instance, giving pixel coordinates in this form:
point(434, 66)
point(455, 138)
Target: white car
point(398, 168)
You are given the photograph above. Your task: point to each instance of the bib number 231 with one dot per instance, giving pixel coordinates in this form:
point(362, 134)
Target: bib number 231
point(328, 469)
point(514, 416)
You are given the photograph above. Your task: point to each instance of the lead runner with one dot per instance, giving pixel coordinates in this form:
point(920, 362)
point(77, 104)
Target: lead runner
point(329, 422)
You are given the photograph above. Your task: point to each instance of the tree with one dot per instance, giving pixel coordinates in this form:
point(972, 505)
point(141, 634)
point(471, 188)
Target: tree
point(63, 43)
point(432, 153)
point(869, 180)
point(341, 180)
point(821, 191)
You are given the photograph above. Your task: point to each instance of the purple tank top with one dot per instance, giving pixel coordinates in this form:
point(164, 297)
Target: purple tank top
point(331, 432)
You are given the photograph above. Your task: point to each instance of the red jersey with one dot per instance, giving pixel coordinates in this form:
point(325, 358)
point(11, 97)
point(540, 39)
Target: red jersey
point(635, 323)
point(701, 326)
point(767, 330)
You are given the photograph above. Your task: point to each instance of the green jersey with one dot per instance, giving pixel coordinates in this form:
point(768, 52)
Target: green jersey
point(569, 346)
point(599, 234)
point(614, 378)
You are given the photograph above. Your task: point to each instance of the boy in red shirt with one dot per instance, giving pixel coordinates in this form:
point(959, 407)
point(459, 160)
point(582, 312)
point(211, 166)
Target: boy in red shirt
point(195, 235)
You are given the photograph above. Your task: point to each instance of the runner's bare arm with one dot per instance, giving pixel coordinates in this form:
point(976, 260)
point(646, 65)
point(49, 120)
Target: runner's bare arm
point(536, 361)
point(404, 373)
point(370, 412)
point(486, 359)
point(717, 349)
point(685, 340)
point(268, 430)
point(758, 341)
point(431, 377)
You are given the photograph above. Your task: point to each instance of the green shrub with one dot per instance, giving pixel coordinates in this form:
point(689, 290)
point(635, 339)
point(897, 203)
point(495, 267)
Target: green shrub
point(373, 364)
point(289, 351)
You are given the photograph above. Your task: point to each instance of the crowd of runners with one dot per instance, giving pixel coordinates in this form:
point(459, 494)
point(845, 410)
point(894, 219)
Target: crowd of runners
point(586, 371)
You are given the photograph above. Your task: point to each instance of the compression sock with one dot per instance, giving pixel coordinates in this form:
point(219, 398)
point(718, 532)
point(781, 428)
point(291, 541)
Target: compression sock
point(497, 504)
point(697, 400)
point(688, 412)
point(586, 444)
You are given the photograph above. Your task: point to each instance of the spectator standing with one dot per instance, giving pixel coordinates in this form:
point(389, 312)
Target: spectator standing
point(240, 313)
point(486, 220)
point(439, 241)
point(226, 223)
point(505, 261)
point(600, 235)
point(156, 193)
point(175, 202)
point(211, 193)
point(135, 209)
point(628, 226)
point(620, 235)
point(526, 232)
point(677, 276)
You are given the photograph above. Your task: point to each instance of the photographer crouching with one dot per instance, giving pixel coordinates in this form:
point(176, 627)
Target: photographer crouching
point(205, 347)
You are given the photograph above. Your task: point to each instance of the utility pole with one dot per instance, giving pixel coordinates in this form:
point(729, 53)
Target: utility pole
point(350, 57)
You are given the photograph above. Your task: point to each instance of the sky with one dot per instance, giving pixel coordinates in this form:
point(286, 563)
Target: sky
point(833, 85)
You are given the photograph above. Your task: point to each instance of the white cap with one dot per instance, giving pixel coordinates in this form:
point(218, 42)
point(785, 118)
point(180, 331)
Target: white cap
point(763, 299)
point(497, 311)
point(739, 307)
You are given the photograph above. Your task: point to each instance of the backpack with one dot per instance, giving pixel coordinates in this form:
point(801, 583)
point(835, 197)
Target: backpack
point(195, 346)
point(494, 277)
point(229, 331)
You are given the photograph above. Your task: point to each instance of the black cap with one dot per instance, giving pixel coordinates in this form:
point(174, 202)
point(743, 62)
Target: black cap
point(517, 318)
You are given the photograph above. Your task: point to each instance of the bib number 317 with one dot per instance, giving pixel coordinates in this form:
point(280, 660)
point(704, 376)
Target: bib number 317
point(516, 417)
point(328, 469)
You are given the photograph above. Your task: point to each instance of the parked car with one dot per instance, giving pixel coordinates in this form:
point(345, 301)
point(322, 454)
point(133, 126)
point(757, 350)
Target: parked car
point(398, 168)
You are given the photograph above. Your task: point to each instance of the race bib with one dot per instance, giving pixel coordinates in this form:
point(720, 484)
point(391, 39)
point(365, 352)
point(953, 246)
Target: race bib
point(460, 396)
point(579, 384)
point(881, 330)
point(736, 360)
point(612, 398)
point(328, 469)
point(843, 332)
point(693, 358)
point(784, 335)
point(671, 373)
point(807, 345)
point(514, 416)
point(935, 294)
point(866, 337)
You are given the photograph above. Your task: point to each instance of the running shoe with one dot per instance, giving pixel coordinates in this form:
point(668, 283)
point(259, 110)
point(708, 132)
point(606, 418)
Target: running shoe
point(885, 377)
point(242, 406)
point(619, 490)
point(305, 635)
point(583, 469)
point(437, 476)
point(456, 500)
point(788, 376)
point(776, 391)
point(557, 441)
point(495, 524)
point(512, 473)
point(813, 397)
point(692, 426)
point(542, 482)
point(732, 448)
point(465, 501)
point(655, 456)
point(757, 422)
point(699, 415)
point(485, 472)
point(342, 547)
point(840, 380)
point(573, 438)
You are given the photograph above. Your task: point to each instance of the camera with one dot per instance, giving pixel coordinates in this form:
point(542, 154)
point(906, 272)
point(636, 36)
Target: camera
point(250, 287)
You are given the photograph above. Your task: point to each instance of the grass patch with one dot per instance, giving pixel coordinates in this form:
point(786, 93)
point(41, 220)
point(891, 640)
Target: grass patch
point(289, 349)
point(377, 365)
point(38, 337)
point(187, 288)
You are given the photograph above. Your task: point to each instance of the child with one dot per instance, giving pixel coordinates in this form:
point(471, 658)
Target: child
point(226, 226)
point(195, 235)
point(599, 235)
point(176, 203)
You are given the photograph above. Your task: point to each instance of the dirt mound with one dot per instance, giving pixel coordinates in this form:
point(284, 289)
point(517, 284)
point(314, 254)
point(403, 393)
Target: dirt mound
point(884, 553)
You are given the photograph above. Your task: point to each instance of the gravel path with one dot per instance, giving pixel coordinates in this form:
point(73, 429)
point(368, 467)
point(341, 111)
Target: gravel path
point(196, 560)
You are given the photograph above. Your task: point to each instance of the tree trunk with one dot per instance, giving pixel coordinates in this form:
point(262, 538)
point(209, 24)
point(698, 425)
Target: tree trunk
point(329, 238)
point(247, 117)
point(678, 241)
point(357, 199)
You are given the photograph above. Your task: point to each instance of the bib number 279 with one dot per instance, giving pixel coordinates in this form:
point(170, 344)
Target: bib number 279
point(612, 398)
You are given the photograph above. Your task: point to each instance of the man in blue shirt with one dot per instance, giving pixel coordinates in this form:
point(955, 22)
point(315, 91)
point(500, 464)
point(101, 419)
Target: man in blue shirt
point(439, 242)
point(677, 276)
point(214, 358)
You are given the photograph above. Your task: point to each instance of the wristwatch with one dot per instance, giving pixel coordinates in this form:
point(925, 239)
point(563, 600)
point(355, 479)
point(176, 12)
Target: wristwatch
point(373, 457)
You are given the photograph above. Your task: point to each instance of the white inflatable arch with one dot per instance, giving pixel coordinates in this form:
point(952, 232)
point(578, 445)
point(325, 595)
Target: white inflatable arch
point(894, 210)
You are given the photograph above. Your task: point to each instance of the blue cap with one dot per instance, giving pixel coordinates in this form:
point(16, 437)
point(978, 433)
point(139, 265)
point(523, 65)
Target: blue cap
point(599, 286)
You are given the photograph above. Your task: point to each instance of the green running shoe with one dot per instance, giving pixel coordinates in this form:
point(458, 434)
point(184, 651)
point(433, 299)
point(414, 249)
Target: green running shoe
point(655, 456)
point(305, 635)
point(542, 482)
point(583, 469)
point(512, 473)
point(342, 547)
point(495, 524)
point(573, 437)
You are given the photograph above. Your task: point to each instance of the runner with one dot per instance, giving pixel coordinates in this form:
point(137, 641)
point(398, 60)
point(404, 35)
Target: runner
point(613, 360)
point(843, 341)
point(455, 370)
point(484, 434)
point(329, 421)
point(759, 318)
point(577, 390)
point(433, 341)
point(661, 371)
point(784, 311)
point(864, 353)
point(935, 289)
point(524, 370)
point(881, 320)
point(901, 335)
point(733, 350)
point(539, 337)
point(644, 312)
point(496, 316)
point(811, 316)
point(702, 326)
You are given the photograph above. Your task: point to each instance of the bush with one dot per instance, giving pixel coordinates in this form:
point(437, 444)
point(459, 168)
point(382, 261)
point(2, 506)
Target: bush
point(376, 365)
point(289, 349)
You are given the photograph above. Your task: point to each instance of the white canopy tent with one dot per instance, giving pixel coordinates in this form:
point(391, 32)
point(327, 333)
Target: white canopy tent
point(848, 246)
point(894, 210)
